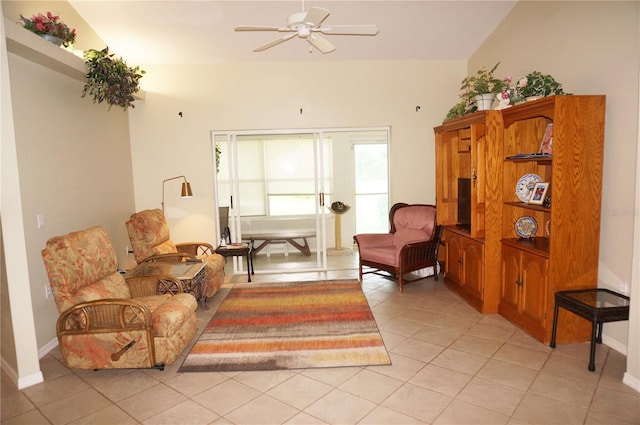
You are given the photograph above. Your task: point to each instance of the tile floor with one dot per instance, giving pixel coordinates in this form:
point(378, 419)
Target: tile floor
point(451, 365)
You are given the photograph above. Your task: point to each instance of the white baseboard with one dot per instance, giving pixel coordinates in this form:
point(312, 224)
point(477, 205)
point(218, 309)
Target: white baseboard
point(46, 349)
point(631, 381)
point(36, 378)
point(10, 371)
point(616, 345)
point(21, 382)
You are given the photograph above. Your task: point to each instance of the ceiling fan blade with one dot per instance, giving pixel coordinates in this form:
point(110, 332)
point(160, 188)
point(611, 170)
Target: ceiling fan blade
point(350, 29)
point(315, 16)
point(320, 43)
point(255, 28)
point(275, 42)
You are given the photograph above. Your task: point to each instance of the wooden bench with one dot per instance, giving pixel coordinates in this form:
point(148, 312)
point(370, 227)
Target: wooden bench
point(290, 236)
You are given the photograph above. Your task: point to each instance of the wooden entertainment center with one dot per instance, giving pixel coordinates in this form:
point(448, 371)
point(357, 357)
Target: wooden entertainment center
point(493, 266)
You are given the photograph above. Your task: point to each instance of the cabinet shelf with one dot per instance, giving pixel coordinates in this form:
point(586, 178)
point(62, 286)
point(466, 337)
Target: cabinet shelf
point(538, 245)
point(34, 48)
point(528, 206)
point(545, 160)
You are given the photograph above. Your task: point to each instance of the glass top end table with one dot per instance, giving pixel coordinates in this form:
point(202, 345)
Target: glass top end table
point(598, 305)
point(190, 274)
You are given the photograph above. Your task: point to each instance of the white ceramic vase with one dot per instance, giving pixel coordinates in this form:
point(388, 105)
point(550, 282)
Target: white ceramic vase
point(484, 101)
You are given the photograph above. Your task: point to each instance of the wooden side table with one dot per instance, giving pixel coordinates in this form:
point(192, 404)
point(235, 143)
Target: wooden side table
point(597, 305)
point(239, 250)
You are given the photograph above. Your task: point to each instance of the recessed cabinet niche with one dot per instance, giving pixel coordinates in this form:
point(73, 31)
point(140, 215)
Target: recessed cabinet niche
point(518, 276)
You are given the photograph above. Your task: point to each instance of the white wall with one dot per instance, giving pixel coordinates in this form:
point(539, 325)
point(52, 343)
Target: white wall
point(267, 96)
point(592, 48)
point(70, 160)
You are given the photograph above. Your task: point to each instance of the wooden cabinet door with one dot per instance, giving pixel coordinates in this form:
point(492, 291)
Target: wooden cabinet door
point(534, 269)
point(472, 264)
point(454, 258)
point(510, 291)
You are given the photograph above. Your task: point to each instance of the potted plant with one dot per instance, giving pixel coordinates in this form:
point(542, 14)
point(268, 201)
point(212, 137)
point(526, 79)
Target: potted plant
point(50, 28)
point(110, 79)
point(460, 109)
point(481, 87)
point(536, 85)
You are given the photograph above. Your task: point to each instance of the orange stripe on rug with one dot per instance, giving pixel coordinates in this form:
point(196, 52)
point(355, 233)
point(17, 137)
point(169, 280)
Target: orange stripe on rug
point(290, 325)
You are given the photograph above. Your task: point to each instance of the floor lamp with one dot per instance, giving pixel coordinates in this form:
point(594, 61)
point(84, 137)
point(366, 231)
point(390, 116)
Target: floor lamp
point(186, 189)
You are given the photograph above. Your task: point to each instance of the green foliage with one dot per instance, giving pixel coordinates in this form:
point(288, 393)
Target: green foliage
point(110, 79)
point(460, 109)
point(537, 84)
point(218, 153)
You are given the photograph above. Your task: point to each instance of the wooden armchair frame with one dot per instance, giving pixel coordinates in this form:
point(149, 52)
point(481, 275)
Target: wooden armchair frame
point(120, 315)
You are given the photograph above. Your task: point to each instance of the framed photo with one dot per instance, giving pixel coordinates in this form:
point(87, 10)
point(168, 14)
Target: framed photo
point(546, 146)
point(539, 193)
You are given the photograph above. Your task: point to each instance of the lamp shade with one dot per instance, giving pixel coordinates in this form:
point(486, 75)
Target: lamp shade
point(186, 190)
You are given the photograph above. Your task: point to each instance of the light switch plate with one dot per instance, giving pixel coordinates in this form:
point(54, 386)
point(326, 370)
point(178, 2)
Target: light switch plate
point(40, 220)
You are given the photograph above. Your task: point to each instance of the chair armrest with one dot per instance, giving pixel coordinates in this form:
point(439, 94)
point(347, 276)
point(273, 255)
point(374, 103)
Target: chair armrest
point(424, 250)
point(368, 240)
point(174, 257)
point(145, 286)
point(195, 248)
point(100, 316)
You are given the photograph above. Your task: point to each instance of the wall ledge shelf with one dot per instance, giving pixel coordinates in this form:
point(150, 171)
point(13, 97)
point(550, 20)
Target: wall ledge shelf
point(34, 48)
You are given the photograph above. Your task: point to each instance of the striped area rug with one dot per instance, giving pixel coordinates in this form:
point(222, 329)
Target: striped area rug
point(289, 325)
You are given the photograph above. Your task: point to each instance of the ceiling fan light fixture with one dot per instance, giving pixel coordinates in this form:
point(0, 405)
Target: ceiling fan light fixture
point(304, 32)
point(308, 25)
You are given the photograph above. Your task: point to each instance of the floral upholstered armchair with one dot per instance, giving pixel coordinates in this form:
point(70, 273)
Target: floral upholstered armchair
point(107, 321)
point(150, 240)
point(411, 244)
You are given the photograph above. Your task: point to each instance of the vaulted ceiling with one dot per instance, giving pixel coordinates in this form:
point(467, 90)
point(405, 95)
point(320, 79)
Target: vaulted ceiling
point(202, 31)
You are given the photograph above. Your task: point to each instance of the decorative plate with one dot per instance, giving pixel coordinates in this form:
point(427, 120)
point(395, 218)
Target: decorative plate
point(526, 227)
point(525, 185)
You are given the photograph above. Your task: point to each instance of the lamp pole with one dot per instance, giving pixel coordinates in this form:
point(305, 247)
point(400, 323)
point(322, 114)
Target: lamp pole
point(186, 189)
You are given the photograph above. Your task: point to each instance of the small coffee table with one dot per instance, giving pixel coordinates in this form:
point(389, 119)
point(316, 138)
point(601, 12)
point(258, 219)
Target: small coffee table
point(239, 250)
point(598, 305)
point(190, 274)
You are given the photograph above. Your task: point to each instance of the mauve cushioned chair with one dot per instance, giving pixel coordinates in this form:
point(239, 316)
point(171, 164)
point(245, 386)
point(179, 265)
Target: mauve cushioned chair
point(411, 244)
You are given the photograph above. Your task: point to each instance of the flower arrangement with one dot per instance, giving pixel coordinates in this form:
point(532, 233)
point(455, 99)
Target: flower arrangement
point(536, 84)
point(50, 25)
point(482, 82)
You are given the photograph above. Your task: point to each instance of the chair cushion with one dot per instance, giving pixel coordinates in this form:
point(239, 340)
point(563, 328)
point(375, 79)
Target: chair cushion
point(149, 234)
point(383, 255)
point(79, 260)
point(168, 312)
point(414, 223)
point(112, 286)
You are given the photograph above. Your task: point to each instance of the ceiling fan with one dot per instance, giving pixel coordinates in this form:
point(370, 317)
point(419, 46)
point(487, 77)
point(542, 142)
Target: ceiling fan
point(308, 25)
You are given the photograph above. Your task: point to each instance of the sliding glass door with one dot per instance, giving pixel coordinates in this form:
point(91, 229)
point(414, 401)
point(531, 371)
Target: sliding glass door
point(278, 187)
point(274, 186)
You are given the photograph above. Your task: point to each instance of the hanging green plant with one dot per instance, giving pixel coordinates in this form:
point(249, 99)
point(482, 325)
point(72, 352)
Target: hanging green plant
point(110, 79)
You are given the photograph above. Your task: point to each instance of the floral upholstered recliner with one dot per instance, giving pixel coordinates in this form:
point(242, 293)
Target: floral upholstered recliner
point(107, 321)
point(151, 241)
point(411, 244)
